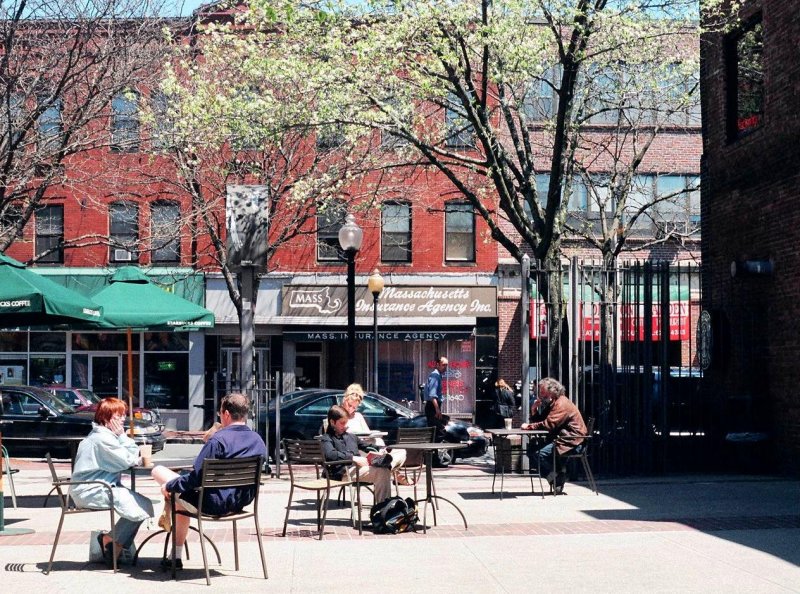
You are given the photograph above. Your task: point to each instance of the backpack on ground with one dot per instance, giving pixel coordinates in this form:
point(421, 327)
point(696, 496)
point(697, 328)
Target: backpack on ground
point(393, 515)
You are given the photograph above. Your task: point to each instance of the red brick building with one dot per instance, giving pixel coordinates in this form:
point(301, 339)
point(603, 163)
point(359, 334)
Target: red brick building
point(448, 291)
point(751, 176)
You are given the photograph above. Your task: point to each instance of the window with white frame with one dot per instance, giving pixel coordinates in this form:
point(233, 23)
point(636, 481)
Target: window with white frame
point(163, 121)
point(329, 221)
point(124, 231)
point(540, 101)
point(165, 241)
point(50, 234)
point(396, 232)
point(49, 126)
point(459, 232)
point(125, 122)
point(459, 130)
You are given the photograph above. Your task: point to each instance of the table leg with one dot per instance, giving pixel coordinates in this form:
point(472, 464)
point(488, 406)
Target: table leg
point(430, 498)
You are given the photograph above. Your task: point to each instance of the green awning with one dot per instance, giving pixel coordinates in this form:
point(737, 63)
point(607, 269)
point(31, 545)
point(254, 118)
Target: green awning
point(132, 301)
point(28, 299)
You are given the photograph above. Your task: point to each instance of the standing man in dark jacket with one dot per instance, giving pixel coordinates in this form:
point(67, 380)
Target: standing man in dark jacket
point(563, 420)
point(233, 440)
point(433, 397)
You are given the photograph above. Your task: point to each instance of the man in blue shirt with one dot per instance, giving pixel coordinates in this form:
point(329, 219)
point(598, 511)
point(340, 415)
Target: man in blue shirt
point(234, 439)
point(433, 395)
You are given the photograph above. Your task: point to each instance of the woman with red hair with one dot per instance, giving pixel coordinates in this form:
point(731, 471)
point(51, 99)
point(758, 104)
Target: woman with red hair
point(103, 455)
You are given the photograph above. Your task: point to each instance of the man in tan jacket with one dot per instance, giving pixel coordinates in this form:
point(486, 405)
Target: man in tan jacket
point(563, 420)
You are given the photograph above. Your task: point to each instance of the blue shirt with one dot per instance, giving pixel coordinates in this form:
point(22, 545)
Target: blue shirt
point(434, 388)
point(233, 441)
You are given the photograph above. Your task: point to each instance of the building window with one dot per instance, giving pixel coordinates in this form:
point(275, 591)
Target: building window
point(328, 224)
point(50, 234)
point(459, 130)
point(163, 122)
point(330, 137)
point(16, 117)
point(165, 241)
point(125, 122)
point(396, 232)
point(394, 112)
point(459, 232)
point(124, 225)
point(681, 208)
point(744, 57)
point(49, 125)
point(541, 100)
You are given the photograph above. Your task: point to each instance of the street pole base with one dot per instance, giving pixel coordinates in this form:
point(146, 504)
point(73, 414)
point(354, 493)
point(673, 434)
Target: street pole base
point(16, 531)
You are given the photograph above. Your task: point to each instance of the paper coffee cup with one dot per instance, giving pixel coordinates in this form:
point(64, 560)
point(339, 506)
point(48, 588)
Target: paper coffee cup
point(146, 452)
point(508, 423)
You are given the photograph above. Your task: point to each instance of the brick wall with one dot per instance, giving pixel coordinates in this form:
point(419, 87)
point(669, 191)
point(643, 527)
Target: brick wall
point(751, 192)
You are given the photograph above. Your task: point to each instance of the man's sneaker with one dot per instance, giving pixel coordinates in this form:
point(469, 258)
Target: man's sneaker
point(167, 563)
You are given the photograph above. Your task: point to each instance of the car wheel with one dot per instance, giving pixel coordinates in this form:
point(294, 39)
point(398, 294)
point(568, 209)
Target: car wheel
point(442, 458)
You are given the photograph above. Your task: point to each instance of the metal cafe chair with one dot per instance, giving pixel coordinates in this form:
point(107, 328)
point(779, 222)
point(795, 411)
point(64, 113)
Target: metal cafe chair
point(61, 486)
point(582, 455)
point(414, 468)
point(224, 474)
point(10, 472)
point(309, 451)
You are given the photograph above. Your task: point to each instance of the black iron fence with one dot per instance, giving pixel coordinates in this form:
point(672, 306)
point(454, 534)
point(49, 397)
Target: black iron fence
point(627, 354)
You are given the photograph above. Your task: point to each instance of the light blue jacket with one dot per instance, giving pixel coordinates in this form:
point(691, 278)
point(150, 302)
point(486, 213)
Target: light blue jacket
point(103, 456)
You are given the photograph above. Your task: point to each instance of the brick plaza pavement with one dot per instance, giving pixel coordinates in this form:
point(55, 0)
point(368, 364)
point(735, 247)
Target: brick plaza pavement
point(667, 534)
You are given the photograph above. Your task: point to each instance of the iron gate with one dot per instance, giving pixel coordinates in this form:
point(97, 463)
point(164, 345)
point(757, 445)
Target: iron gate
point(627, 356)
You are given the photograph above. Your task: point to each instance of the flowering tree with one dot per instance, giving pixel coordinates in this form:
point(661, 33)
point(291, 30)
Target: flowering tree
point(227, 120)
point(61, 64)
point(515, 102)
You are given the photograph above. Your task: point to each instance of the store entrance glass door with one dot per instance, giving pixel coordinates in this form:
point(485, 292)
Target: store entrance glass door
point(104, 375)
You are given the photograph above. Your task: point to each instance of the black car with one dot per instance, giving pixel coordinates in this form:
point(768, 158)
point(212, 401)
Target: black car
point(303, 411)
point(36, 421)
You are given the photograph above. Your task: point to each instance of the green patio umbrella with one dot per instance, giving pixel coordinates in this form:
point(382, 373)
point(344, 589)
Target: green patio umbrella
point(132, 301)
point(28, 299)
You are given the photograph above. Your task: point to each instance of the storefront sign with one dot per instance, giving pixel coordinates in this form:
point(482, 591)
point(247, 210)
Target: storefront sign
point(405, 336)
point(631, 320)
point(395, 302)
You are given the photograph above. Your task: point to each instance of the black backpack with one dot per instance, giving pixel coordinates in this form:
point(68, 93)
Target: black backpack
point(393, 515)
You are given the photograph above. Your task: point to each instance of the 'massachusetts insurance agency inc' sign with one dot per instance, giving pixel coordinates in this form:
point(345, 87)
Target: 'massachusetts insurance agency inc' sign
point(398, 302)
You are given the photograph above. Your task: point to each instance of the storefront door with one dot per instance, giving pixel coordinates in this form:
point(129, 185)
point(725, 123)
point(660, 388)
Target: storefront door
point(104, 374)
point(230, 365)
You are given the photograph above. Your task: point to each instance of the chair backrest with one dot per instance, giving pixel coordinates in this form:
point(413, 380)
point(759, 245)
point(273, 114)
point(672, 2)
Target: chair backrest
point(303, 451)
point(63, 497)
point(231, 472)
point(589, 427)
point(415, 434)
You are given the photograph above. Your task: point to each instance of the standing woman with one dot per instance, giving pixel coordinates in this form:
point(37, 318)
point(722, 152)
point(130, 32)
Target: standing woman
point(103, 455)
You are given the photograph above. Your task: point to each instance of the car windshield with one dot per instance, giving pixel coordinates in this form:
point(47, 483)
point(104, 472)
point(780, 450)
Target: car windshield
point(90, 396)
point(55, 402)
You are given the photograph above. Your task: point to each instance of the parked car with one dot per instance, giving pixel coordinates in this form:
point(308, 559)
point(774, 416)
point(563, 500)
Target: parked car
point(303, 411)
point(35, 421)
point(83, 399)
point(675, 406)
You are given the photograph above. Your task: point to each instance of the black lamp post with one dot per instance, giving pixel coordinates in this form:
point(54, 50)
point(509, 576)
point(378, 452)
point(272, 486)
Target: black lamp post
point(350, 237)
point(375, 284)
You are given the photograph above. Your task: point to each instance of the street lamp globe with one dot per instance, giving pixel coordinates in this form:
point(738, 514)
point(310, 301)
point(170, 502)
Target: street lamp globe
point(375, 283)
point(350, 234)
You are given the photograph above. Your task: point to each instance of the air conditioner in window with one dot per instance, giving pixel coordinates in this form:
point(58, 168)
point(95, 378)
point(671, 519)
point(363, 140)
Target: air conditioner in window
point(123, 256)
